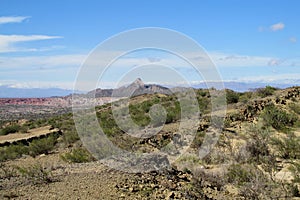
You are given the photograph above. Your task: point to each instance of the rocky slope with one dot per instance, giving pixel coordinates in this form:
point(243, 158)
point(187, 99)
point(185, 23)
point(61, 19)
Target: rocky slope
point(257, 155)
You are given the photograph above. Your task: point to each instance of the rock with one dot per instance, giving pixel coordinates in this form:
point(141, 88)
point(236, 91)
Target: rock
point(122, 195)
point(153, 186)
point(131, 189)
point(171, 195)
point(141, 187)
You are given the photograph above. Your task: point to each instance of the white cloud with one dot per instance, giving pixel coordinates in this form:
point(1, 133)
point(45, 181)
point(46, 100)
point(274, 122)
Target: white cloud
point(41, 62)
point(287, 78)
point(235, 60)
point(63, 68)
point(12, 19)
point(275, 62)
point(277, 27)
point(7, 41)
point(37, 84)
point(75, 60)
point(293, 39)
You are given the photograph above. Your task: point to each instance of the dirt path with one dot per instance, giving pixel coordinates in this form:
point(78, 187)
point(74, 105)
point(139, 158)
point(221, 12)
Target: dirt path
point(33, 133)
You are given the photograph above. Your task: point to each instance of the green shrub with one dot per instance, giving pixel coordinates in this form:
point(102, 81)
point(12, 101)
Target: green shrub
point(204, 103)
point(13, 151)
point(288, 147)
point(295, 169)
point(244, 174)
point(10, 129)
point(257, 144)
point(198, 140)
point(232, 97)
point(108, 124)
point(35, 147)
point(77, 156)
point(202, 92)
point(295, 107)
point(240, 174)
point(245, 97)
point(267, 91)
point(42, 146)
point(69, 137)
point(277, 118)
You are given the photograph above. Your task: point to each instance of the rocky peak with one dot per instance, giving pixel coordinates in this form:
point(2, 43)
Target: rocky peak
point(139, 82)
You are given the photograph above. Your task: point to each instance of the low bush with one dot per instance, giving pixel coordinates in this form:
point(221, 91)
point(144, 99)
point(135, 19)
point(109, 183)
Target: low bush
point(267, 91)
point(278, 118)
point(232, 97)
point(198, 140)
point(295, 108)
point(78, 155)
point(240, 174)
point(204, 104)
point(288, 147)
point(257, 144)
point(13, 151)
point(69, 137)
point(10, 129)
point(36, 174)
point(202, 179)
point(42, 146)
point(245, 97)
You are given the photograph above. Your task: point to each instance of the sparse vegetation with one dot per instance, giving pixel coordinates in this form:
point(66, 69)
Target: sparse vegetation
point(278, 118)
point(287, 147)
point(36, 173)
point(13, 151)
point(78, 155)
point(7, 172)
point(267, 91)
point(258, 143)
point(42, 146)
point(34, 148)
point(232, 97)
point(244, 97)
point(10, 129)
point(295, 108)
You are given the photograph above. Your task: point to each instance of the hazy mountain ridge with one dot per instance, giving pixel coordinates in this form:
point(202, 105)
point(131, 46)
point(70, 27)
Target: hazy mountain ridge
point(7, 91)
point(136, 88)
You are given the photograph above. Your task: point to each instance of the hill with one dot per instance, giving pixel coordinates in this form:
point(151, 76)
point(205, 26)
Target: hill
point(257, 155)
point(134, 89)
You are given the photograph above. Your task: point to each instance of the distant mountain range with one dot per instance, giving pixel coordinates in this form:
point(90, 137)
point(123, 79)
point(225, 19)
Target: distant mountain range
point(245, 86)
point(133, 89)
point(10, 92)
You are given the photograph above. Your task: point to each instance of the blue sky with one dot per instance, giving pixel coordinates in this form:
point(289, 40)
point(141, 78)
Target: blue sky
point(43, 43)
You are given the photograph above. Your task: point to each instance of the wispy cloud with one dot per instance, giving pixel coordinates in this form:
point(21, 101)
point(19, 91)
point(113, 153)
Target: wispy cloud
point(37, 84)
point(12, 19)
point(277, 27)
point(287, 78)
point(7, 42)
point(28, 63)
point(59, 70)
point(293, 39)
point(235, 60)
point(275, 62)
point(274, 27)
